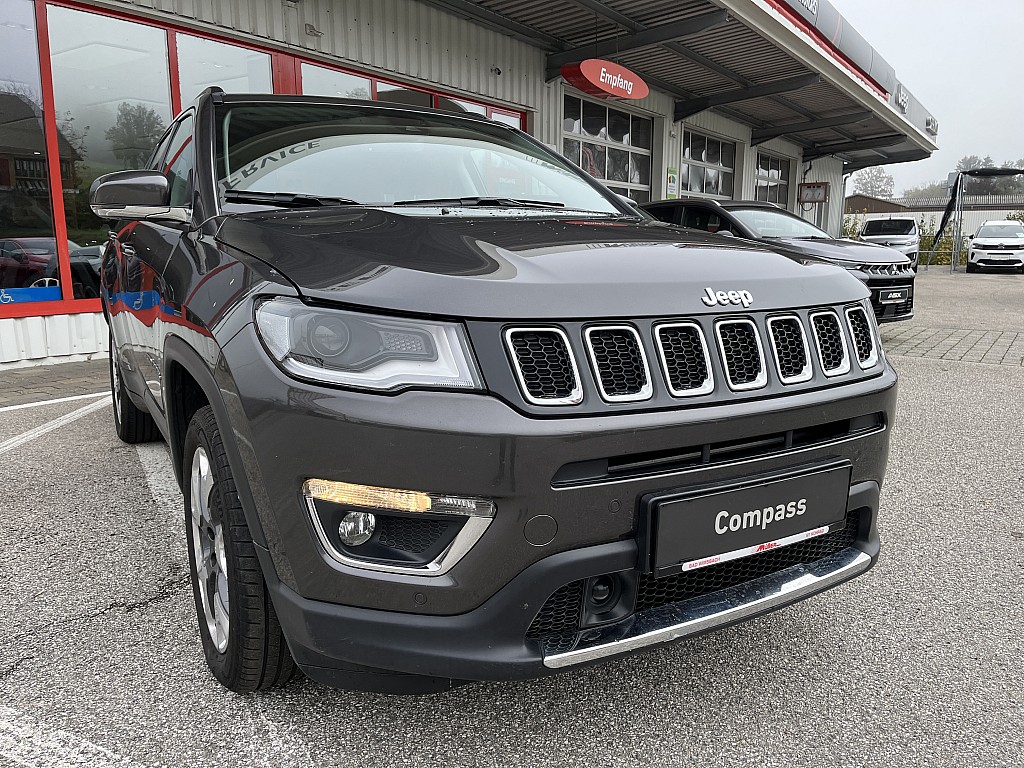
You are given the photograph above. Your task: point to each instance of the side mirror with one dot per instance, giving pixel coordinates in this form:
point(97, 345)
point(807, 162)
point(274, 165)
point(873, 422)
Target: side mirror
point(134, 195)
point(970, 237)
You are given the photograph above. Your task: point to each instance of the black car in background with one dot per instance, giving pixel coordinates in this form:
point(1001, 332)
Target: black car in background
point(888, 273)
point(443, 408)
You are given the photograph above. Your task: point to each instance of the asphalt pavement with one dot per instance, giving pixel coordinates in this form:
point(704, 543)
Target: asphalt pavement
point(917, 663)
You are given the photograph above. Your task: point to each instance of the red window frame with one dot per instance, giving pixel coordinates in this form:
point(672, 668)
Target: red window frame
point(286, 78)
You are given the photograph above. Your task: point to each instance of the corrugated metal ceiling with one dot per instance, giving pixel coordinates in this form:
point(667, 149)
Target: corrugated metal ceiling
point(729, 57)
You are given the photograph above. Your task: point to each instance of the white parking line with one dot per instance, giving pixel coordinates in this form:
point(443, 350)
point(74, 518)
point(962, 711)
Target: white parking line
point(30, 743)
point(38, 403)
point(42, 429)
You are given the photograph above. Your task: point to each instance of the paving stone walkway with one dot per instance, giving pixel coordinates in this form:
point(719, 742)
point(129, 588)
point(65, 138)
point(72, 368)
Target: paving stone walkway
point(48, 382)
point(997, 347)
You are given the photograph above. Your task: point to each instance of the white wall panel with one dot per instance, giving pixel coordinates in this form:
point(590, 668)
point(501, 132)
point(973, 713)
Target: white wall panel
point(58, 336)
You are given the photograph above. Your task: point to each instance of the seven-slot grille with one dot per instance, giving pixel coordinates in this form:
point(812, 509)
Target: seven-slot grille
point(684, 356)
point(792, 358)
point(863, 341)
point(618, 358)
point(742, 354)
point(545, 366)
point(831, 343)
point(544, 358)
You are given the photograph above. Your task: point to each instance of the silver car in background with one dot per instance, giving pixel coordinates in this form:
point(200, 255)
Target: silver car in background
point(900, 234)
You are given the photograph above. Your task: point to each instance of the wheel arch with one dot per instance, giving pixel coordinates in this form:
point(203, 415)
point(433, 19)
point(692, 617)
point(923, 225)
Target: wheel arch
point(190, 385)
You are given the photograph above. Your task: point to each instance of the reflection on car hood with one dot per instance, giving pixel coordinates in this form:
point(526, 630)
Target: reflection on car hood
point(840, 251)
point(538, 267)
point(1011, 242)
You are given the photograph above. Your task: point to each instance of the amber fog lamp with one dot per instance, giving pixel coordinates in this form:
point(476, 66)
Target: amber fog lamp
point(395, 499)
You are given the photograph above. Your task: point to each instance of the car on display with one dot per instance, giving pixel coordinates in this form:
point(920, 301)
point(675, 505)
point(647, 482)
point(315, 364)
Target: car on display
point(29, 262)
point(998, 244)
point(887, 273)
point(444, 409)
point(900, 234)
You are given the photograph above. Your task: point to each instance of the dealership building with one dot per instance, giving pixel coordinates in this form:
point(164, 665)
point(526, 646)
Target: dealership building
point(773, 100)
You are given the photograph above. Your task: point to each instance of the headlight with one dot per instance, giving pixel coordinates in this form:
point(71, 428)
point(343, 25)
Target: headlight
point(365, 351)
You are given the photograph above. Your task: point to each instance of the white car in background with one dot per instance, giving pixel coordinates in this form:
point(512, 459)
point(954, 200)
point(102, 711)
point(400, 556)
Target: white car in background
point(997, 244)
point(900, 234)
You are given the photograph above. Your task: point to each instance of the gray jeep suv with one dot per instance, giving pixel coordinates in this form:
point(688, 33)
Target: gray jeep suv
point(444, 409)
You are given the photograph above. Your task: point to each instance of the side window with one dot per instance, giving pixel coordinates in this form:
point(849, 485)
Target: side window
point(696, 218)
point(179, 163)
point(154, 162)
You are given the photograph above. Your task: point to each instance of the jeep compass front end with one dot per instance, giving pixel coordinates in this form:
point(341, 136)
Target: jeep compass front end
point(444, 409)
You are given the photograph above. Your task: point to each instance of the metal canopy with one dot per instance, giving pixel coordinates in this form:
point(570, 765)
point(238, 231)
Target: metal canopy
point(708, 59)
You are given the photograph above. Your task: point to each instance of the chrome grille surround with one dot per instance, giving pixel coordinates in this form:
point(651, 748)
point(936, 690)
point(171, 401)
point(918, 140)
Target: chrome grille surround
point(871, 359)
point(826, 316)
point(727, 351)
point(645, 391)
point(807, 371)
point(574, 397)
point(708, 385)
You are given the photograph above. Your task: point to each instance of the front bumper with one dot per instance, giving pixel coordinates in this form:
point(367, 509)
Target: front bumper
point(472, 621)
point(338, 644)
point(997, 259)
point(887, 311)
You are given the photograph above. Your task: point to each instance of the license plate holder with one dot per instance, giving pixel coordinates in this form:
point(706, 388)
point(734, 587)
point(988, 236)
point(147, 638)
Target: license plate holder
point(683, 530)
point(893, 295)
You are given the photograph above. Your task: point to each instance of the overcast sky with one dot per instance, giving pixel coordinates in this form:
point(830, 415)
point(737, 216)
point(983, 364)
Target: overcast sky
point(962, 60)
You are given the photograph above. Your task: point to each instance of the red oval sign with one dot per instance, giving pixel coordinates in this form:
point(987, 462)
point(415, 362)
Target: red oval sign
point(605, 79)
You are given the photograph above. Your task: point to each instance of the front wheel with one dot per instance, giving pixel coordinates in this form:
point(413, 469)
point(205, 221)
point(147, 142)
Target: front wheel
point(971, 267)
point(242, 639)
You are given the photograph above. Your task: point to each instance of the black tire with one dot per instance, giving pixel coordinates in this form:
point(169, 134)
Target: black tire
point(132, 424)
point(253, 653)
point(971, 267)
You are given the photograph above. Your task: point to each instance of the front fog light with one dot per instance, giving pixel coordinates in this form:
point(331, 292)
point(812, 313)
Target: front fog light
point(356, 528)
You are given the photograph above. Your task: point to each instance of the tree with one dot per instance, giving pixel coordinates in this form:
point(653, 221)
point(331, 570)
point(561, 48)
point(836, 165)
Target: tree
point(874, 182)
point(931, 189)
point(133, 135)
point(1011, 185)
point(977, 186)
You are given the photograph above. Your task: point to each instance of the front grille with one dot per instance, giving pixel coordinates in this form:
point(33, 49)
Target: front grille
point(889, 270)
point(742, 354)
point(863, 342)
point(790, 347)
point(828, 336)
point(654, 592)
point(684, 355)
point(618, 358)
point(410, 534)
point(559, 619)
point(561, 612)
point(544, 365)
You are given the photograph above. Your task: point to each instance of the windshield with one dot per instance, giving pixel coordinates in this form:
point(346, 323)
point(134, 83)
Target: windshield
point(890, 227)
point(765, 222)
point(370, 156)
point(1001, 230)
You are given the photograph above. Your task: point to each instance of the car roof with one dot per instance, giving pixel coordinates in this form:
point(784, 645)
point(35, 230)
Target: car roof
point(1001, 221)
point(719, 203)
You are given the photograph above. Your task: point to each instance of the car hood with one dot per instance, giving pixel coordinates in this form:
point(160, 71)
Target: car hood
point(845, 252)
point(522, 267)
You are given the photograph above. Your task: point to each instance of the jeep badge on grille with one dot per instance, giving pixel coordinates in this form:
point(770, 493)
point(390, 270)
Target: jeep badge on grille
point(724, 298)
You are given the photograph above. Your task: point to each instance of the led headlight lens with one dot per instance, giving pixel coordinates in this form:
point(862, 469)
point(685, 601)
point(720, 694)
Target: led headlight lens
point(365, 351)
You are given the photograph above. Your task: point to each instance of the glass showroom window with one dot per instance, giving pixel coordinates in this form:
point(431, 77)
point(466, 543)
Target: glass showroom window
point(202, 63)
point(28, 246)
point(610, 145)
point(708, 165)
point(113, 104)
point(772, 179)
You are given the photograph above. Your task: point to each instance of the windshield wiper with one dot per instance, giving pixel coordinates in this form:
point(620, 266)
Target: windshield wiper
point(482, 202)
point(284, 199)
